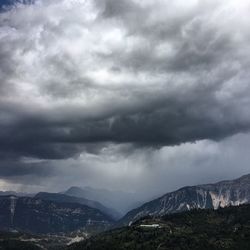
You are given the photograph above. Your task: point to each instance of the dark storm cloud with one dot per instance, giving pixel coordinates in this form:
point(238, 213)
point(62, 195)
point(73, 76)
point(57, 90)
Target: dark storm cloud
point(79, 75)
point(14, 169)
point(8, 4)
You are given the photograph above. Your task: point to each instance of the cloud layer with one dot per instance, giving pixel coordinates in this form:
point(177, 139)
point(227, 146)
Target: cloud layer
point(81, 76)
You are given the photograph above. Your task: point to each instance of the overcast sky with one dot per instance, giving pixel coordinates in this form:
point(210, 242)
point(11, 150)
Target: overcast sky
point(138, 95)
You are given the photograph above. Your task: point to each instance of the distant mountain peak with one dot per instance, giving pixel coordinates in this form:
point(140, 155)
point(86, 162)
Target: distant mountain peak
point(60, 197)
point(119, 200)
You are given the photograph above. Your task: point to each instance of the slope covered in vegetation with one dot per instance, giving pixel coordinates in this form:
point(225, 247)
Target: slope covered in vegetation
point(227, 228)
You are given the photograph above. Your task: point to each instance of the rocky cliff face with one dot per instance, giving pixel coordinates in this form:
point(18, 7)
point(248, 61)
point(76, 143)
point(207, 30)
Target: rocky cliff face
point(226, 193)
point(42, 216)
point(213, 196)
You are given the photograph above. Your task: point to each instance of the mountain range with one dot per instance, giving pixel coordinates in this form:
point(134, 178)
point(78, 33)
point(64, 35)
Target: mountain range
point(119, 200)
point(41, 216)
point(19, 194)
point(92, 210)
point(221, 194)
point(57, 197)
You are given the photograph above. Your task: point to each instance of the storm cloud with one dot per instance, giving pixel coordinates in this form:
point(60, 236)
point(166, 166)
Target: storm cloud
point(80, 76)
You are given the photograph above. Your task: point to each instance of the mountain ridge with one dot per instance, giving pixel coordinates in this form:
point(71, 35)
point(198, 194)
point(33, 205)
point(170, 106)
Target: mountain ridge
point(121, 201)
point(220, 194)
point(35, 215)
point(59, 197)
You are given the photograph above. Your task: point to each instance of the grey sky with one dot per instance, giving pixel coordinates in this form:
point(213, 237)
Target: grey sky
point(140, 95)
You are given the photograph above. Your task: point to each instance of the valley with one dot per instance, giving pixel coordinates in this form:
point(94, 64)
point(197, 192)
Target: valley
point(59, 221)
